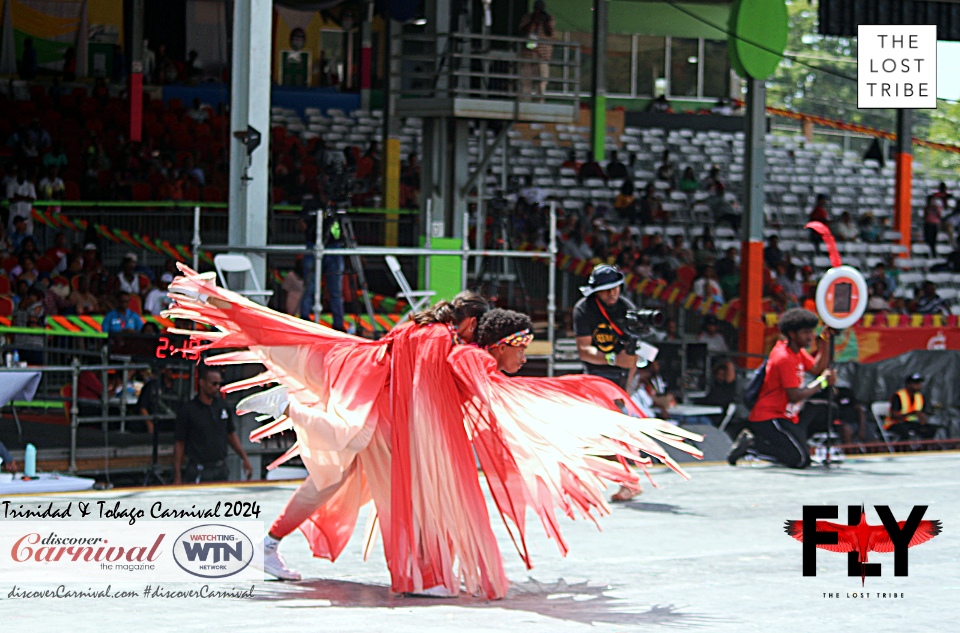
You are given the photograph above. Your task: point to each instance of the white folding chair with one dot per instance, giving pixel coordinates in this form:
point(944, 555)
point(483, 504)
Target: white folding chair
point(880, 409)
point(417, 299)
point(227, 263)
point(728, 415)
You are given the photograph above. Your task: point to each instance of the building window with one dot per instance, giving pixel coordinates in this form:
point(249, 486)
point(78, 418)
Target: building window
point(585, 40)
point(619, 64)
point(684, 66)
point(716, 69)
point(650, 65)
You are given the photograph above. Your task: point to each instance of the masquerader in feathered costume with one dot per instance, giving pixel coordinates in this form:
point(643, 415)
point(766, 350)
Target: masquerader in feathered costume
point(396, 421)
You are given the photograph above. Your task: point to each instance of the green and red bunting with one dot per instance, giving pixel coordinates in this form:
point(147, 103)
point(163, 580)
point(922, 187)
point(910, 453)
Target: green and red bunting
point(91, 325)
point(59, 220)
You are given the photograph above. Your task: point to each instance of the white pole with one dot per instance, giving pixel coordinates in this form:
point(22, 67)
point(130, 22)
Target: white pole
point(552, 286)
point(196, 238)
point(427, 241)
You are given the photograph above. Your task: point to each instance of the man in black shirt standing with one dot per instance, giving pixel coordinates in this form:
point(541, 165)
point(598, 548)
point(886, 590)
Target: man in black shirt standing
point(203, 430)
point(158, 397)
point(599, 321)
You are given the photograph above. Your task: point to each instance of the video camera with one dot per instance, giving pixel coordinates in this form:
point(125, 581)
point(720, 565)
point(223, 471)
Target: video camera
point(638, 323)
point(339, 183)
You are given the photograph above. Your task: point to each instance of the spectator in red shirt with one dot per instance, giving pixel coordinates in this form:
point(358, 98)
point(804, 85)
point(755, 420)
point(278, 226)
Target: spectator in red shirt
point(591, 169)
point(819, 214)
point(571, 162)
point(774, 433)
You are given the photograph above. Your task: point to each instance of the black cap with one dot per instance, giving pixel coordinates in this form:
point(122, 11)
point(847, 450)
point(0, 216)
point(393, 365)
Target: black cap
point(915, 377)
point(18, 219)
point(603, 277)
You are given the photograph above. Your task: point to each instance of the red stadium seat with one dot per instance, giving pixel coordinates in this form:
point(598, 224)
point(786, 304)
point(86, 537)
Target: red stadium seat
point(686, 275)
point(46, 264)
point(155, 129)
point(4, 285)
point(71, 190)
point(6, 306)
point(136, 304)
point(66, 394)
point(212, 194)
point(183, 141)
point(140, 191)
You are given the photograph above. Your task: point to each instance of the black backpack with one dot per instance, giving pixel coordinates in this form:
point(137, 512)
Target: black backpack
point(752, 392)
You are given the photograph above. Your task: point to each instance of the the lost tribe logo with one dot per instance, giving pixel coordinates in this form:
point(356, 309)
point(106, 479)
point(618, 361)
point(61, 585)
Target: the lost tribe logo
point(859, 538)
point(213, 551)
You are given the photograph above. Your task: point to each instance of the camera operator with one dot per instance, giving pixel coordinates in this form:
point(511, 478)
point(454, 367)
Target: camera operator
point(332, 265)
point(600, 325)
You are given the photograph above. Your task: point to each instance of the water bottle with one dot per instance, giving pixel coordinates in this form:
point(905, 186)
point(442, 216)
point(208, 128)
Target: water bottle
point(16, 358)
point(30, 461)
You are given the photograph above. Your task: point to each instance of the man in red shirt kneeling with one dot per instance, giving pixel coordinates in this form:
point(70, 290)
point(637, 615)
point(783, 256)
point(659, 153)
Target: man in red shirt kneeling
point(774, 433)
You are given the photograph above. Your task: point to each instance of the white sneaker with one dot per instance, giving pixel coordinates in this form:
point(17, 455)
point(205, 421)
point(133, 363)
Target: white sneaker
point(272, 402)
point(439, 591)
point(274, 564)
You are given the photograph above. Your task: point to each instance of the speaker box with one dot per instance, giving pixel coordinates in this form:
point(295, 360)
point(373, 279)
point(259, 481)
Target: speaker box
point(715, 445)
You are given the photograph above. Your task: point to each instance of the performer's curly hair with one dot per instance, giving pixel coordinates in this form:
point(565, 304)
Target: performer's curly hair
point(796, 319)
point(499, 323)
point(465, 304)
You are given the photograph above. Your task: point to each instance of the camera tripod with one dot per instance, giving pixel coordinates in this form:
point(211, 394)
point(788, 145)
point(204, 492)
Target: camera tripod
point(152, 474)
point(362, 289)
point(487, 273)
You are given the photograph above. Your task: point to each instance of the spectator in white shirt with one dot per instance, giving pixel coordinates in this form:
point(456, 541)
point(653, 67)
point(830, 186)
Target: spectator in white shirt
point(708, 286)
point(710, 334)
point(51, 186)
point(129, 280)
point(157, 299)
point(21, 193)
point(846, 229)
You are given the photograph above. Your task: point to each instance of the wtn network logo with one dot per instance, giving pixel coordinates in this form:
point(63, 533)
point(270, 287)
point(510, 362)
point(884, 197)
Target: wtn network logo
point(213, 551)
point(859, 538)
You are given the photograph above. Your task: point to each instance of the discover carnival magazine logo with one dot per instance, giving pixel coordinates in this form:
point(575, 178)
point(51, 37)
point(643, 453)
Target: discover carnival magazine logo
point(105, 551)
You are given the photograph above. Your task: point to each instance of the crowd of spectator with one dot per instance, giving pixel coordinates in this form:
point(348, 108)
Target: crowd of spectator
point(69, 279)
point(612, 233)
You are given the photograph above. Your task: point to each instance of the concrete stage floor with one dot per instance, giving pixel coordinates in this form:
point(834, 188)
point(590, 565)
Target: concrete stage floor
point(708, 554)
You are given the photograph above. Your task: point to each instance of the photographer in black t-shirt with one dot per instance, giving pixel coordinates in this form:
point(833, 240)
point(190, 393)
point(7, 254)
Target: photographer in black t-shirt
point(599, 323)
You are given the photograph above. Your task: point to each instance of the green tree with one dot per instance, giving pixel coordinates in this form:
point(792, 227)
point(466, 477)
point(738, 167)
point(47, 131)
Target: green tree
point(829, 89)
point(818, 74)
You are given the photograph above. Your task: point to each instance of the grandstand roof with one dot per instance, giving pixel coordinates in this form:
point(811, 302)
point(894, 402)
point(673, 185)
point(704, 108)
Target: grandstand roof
point(842, 17)
point(648, 17)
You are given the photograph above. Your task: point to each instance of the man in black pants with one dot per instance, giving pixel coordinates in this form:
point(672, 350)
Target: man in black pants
point(203, 430)
point(599, 323)
point(773, 433)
